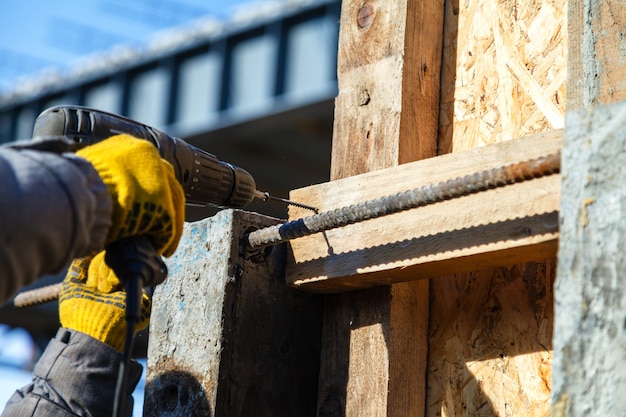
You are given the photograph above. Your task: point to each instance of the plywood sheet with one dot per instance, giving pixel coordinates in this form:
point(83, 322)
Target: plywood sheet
point(490, 342)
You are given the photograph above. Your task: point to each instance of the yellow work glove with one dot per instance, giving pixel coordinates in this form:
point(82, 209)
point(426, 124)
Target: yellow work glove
point(147, 198)
point(93, 301)
point(147, 201)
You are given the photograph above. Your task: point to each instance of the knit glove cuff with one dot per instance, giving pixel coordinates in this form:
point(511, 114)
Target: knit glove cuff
point(92, 300)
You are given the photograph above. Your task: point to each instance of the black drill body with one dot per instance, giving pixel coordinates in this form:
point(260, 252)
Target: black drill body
point(206, 180)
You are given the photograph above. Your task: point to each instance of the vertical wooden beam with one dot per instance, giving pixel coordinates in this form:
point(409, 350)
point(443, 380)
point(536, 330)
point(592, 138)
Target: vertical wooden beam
point(597, 62)
point(227, 337)
point(388, 73)
point(589, 377)
point(374, 348)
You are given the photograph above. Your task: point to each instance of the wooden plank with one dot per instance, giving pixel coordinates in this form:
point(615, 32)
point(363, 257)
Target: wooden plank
point(388, 74)
point(493, 228)
point(227, 337)
point(373, 364)
point(597, 63)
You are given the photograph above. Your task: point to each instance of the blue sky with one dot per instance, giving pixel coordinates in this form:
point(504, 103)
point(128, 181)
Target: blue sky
point(41, 34)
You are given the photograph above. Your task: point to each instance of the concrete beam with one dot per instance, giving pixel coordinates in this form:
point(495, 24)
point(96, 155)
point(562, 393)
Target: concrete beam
point(589, 376)
point(227, 337)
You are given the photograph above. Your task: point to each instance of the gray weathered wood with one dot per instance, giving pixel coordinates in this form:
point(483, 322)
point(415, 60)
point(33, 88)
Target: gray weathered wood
point(589, 372)
point(596, 63)
point(388, 66)
point(227, 337)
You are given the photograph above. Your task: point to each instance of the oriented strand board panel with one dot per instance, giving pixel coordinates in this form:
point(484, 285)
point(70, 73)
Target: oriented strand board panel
point(504, 71)
point(490, 341)
point(504, 76)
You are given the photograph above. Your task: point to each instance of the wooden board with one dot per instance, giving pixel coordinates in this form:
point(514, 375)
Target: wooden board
point(597, 63)
point(373, 364)
point(498, 227)
point(388, 74)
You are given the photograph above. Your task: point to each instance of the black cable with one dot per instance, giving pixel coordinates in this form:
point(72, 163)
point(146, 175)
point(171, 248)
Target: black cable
point(133, 310)
point(136, 263)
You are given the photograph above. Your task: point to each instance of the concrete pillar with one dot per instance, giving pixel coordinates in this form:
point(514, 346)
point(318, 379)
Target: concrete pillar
point(227, 337)
point(589, 368)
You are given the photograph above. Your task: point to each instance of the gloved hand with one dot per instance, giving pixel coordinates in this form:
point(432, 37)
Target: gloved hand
point(93, 301)
point(147, 198)
point(147, 201)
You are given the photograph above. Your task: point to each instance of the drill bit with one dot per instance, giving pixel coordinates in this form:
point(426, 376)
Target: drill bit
point(264, 196)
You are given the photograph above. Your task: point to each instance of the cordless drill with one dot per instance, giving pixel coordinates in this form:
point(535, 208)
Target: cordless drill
point(206, 180)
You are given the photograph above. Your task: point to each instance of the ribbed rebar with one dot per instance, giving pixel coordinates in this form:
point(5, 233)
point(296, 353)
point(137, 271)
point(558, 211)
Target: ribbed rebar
point(418, 197)
point(37, 296)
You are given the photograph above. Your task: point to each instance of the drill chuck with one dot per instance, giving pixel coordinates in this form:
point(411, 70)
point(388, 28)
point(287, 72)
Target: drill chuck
point(205, 179)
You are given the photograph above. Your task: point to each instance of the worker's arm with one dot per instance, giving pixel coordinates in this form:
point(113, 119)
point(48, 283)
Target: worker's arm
point(77, 373)
point(76, 376)
point(57, 207)
point(53, 208)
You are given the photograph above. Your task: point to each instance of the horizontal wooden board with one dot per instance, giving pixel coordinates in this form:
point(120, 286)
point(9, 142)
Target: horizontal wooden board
point(505, 226)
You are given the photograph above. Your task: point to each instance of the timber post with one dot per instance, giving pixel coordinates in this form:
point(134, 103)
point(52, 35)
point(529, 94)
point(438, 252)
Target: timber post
point(374, 345)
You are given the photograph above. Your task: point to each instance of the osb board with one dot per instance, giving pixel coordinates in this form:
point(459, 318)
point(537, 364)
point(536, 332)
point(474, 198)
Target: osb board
point(503, 76)
point(504, 71)
point(490, 341)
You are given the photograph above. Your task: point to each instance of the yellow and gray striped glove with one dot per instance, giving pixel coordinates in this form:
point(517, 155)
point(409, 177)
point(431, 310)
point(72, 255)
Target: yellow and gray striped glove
point(147, 201)
point(147, 198)
point(93, 301)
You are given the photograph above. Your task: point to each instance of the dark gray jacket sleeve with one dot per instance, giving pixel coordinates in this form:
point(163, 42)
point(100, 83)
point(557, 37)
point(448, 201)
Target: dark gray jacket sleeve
point(53, 208)
point(75, 376)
